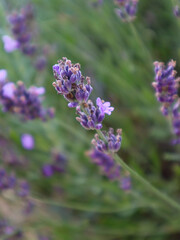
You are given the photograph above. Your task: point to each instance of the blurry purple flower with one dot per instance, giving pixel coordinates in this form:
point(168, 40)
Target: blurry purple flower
point(27, 141)
point(176, 11)
point(37, 90)
point(10, 44)
point(108, 166)
point(40, 63)
point(23, 189)
point(125, 183)
point(3, 75)
point(166, 84)
point(47, 170)
point(8, 90)
point(104, 106)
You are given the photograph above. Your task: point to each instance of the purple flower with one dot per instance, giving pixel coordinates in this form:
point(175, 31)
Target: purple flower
point(70, 83)
point(107, 165)
point(104, 106)
point(25, 102)
point(27, 141)
point(47, 170)
point(127, 9)
point(176, 122)
point(58, 165)
point(125, 183)
point(110, 143)
point(23, 189)
point(8, 90)
point(37, 90)
point(10, 44)
point(166, 85)
point(3, 75)
point(176, 11)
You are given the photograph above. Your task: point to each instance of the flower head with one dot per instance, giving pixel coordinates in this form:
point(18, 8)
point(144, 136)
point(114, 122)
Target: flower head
point(3, 76)
point(104, 106)
point(10, 44)
point(166, 84)
point(111, 142)
point(27, 141)
point(176, 11)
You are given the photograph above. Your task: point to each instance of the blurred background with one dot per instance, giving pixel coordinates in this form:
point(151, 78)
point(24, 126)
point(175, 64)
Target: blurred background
point(80, 203)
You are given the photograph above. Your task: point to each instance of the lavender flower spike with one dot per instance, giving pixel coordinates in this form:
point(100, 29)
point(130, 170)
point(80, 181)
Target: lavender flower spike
point(27, 141)
point(10, 44)
point(3, 75)
point(176, 11)
point(111, 143)
point(176, 122)
point(166, 84)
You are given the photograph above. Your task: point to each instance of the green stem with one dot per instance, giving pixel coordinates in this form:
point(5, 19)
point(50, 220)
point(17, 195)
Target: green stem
point(144, 182)
point(148, 185)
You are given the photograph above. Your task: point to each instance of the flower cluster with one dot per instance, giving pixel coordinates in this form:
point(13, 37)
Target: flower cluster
point(70, 83)
point(110, 168)
point(24, 102)
point(23, 31)
point(176, 11)
point(6, 181)
point(176, 122)
point(57, 166)
point(126, 9)
point(10, 232)
point(166, 84)
point(76, 89)
point(110, 143)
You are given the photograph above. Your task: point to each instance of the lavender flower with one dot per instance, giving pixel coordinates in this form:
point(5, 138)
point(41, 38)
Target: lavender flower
point(176, 11)
point(110, 143)
point(10, 44)
point(3, 76)
point(92, 116)
point(24, 102)
point(126, 9)
point(107, 165)
point(166, 85)
point(8, 231)
point(176, 122)
point(23, 31)
point(70, 83)
point(6, 181)
point(27, 141)
point(125, 183)
point(58, 165)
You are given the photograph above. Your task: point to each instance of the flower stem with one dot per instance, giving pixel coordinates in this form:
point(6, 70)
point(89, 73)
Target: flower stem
point(148, 185)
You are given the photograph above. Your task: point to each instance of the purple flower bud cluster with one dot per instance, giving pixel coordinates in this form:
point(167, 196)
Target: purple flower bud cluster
point(24, 102)
point(111, 142)
point(176, 122)
point(110, 168)
point(70, 83)
point(6, 181)
point(23, 30)
point(58, 165)
point(92, 117)
point(176, 11)
point(126, 9)
point(166, 85)
point(8, 231)
point(76, 90)
point(107, 165)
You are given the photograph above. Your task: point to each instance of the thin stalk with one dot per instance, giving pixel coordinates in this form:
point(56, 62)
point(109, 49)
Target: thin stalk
point(143, 181)
point(141, 43)
point(82, 207)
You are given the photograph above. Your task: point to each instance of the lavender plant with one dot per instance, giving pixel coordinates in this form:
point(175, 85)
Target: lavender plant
point(76, 90)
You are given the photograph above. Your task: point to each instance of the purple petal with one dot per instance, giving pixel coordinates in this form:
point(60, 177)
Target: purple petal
point(8, 90)
point(10, 44)
point(27, 141)
point(3, 75)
